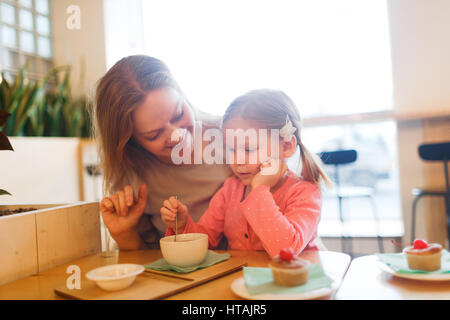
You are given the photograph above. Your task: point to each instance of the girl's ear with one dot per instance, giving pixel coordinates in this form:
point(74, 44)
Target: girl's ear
point(288, 148)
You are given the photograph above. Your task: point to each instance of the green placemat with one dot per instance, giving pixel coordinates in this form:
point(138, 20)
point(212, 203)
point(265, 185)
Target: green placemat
point(211, 258)
point(260, 280)
point(398, 263)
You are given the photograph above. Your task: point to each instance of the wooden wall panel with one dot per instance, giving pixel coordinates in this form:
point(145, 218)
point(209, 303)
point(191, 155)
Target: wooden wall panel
point(18, 247)
point(411, 174)
point(34, 241)
point(67, 233)
point(436, 130)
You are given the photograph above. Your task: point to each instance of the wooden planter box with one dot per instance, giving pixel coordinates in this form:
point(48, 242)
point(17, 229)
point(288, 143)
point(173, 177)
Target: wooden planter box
point(35, 241)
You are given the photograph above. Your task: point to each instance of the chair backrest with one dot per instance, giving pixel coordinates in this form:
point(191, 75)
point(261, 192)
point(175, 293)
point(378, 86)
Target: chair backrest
point(338, 157)
point(435, 151)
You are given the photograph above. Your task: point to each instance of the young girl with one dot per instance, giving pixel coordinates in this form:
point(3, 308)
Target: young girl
point(256, 210)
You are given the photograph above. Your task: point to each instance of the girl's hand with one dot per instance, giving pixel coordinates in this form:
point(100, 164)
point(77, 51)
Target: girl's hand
point(170, 209)
point(121, 212)
point(270, 173)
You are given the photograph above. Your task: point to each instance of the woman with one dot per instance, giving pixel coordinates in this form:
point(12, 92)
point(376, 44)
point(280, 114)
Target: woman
point(138, 108)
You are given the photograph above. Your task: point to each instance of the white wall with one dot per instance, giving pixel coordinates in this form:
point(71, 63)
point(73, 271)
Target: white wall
point(72, 46)
point(40, 170)
point(420, 46)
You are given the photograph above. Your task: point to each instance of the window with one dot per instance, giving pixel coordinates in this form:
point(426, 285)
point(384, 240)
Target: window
point(25, 36)
point(331, 57)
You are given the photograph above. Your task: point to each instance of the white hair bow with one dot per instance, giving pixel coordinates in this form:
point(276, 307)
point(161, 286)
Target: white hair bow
point(288, 130)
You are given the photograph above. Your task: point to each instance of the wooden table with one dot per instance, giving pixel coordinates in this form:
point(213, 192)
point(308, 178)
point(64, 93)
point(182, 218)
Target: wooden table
point(41, 285)
point(365, 281)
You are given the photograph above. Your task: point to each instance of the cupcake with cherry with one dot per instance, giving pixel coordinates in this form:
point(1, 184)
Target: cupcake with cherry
point(423, 256)
point(288, 269)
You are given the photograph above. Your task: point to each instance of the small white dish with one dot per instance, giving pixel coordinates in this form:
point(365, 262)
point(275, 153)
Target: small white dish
point(239, 288)
point(189, 250)
point(415, 276)
point(116, 276)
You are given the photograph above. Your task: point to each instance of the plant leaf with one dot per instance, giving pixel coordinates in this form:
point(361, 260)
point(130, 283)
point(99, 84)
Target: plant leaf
point(45, 107)
point(3, 192)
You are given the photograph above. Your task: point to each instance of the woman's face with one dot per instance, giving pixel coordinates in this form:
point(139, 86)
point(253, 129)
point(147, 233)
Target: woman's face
point(163, 111)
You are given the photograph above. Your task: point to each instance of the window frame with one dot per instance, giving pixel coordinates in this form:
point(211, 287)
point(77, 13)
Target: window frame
point(44, 63)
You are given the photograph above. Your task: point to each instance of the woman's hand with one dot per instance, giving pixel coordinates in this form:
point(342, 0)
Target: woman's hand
point(172, 208)
point(270, 173)
point(121, 212)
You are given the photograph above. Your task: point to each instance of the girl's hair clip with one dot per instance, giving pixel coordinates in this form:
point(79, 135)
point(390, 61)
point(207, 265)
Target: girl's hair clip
point(287, 131)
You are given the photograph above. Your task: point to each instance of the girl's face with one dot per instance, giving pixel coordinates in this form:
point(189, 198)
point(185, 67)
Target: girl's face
point(163, 111)
point(246, 171)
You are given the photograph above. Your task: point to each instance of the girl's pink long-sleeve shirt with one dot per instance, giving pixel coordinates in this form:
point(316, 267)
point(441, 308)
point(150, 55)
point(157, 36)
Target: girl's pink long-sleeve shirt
point(263, 221)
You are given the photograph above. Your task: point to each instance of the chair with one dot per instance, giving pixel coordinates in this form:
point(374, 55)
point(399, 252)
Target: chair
point(433, 152)
point(336, 159)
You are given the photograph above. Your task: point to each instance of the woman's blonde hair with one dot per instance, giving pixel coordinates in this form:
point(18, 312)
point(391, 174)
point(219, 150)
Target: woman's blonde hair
point(118, 93)
point(269, 108)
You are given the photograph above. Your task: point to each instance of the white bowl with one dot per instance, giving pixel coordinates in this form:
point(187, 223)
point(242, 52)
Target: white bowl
point(189, 250)
point(116, 276)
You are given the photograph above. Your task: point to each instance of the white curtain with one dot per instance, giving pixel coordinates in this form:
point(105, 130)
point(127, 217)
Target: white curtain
point(330, 56)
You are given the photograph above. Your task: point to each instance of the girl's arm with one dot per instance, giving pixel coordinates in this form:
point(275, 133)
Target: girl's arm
point(211, 222)
point(295, 228)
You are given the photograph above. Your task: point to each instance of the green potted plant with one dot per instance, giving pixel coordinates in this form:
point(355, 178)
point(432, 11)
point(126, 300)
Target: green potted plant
point(50, 123)
point(45, 107)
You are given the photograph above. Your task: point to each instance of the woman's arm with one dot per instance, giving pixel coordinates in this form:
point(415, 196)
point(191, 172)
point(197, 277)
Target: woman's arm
point(294, 228)
point(121, 214)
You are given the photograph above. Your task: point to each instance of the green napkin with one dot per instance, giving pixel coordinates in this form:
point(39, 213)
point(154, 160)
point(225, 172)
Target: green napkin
point(398, 263)
point(210, 259)
point(260, 280)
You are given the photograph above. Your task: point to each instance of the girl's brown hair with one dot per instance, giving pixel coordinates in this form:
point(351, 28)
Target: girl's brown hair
point(118, 93)
point(269, 108)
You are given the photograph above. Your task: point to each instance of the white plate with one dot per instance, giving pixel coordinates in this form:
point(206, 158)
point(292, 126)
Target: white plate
point(238, 287)
point(415, 276)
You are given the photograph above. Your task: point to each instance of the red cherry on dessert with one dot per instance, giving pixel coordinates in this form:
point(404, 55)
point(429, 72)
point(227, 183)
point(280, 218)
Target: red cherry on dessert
point(287, 254)
point(420, 244)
